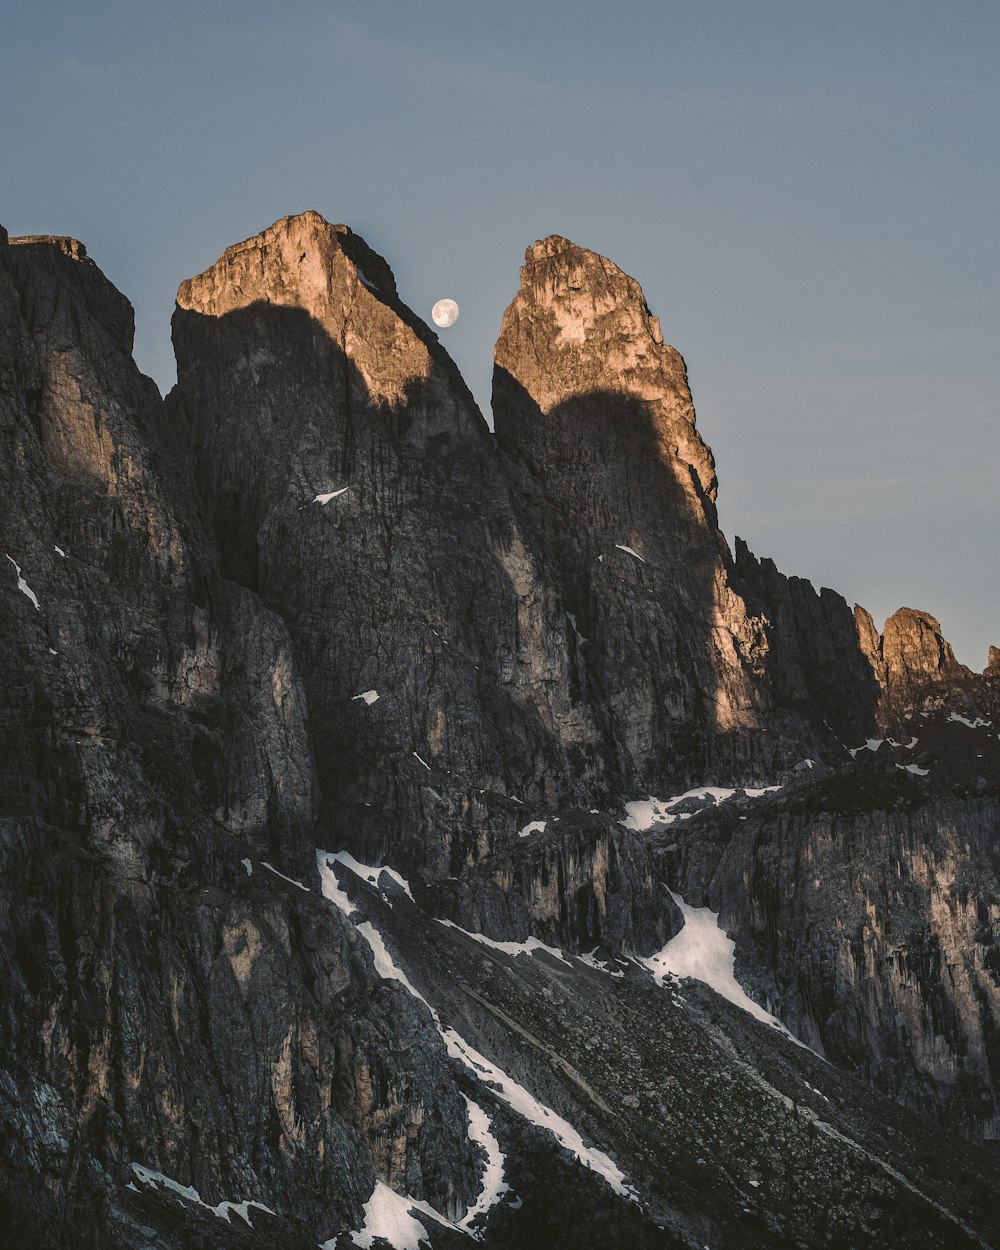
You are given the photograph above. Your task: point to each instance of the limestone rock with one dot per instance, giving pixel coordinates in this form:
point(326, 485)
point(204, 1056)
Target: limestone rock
point(353, 483)
point(915, 652)
point(311, 601)
point(694, 667)
point(161, 1005)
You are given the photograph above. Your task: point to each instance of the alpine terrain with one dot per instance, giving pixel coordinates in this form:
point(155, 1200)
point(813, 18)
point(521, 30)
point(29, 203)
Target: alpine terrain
point(414, 833)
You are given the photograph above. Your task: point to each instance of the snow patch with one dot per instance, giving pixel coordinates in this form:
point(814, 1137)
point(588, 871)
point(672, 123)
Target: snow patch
point(913, 768)
point(59, 552)
point(387, 1215)
point(23, 586)
point(494, 1185)
point(590, 959)
point(527, 947)
point(369, 696)
point(363, 278)
point(323, 500)
point(421, 760)
point(631, 552)
point(330, 887)
point(571, 617)
point(872, 744)
point(390, 1216)
point(248, 865)
point(290, 880)
point(372, 873)
point(644, 813)
point(978, 723)
point(703, 951)
point(534, 826)
point(223, 1209)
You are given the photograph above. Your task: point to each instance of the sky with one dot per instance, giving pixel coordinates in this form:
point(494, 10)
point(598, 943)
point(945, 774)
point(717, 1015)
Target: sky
point(806, 191)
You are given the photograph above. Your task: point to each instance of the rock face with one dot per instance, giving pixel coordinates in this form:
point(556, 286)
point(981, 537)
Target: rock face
point(695, 666)
point(160, 1004)
point(353, 483)
point(312, 602)
point(864, 905)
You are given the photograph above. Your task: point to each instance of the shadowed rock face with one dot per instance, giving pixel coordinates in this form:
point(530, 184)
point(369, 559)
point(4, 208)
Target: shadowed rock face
point(302, 375)
point(695, 667)
point(863, 903)
point(313, 602)
point(161, 1005)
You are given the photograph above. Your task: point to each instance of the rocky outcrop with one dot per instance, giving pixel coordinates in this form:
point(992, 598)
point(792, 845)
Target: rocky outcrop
point(863, 904)
point(577, 881)
point(823, 659)
point(695, 668)
point(162, 1006)
point(919, 664)
point(915, 652)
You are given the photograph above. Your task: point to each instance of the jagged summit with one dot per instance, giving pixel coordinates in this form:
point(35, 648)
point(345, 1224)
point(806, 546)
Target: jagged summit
point(69, 246)
point(292, 262)
point(580, 324)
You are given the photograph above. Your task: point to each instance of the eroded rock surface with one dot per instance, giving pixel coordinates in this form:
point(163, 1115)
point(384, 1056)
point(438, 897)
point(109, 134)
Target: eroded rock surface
point(313, 602)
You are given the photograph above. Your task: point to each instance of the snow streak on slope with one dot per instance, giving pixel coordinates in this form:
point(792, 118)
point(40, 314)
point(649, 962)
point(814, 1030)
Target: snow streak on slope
point(494, 1185)
point(223, 1209)
point(527, 1105)
point(290, 880)
point(527, 947)
point(23, 586)
point(515, 1095)
point(703, 951)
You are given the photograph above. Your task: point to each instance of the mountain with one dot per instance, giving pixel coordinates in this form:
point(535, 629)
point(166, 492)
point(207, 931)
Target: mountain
point(335, 900)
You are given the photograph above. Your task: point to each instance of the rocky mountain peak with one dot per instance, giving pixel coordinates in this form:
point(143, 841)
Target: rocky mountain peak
point(580, 326)
point(915, 651)
point(300, 261)
point(70, 247)
point(993, 661)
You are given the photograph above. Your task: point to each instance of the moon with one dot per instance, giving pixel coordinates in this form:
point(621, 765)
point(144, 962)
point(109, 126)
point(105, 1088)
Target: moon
point(444, 313)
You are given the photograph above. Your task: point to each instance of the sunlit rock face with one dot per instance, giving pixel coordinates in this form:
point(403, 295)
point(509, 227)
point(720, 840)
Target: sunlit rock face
point(303, 375)
point(918, 660)
point(697, 668)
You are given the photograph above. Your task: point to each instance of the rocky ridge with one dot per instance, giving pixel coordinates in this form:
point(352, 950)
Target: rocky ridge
point(313, 602)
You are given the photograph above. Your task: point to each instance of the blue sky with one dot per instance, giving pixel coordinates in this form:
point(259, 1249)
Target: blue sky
point(807, 192)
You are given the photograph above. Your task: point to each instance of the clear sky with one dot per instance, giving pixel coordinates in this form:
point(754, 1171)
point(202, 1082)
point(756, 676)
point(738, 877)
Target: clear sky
point(808, 192)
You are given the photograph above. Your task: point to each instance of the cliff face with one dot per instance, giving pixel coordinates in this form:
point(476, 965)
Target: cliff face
point(354, 484)
point(311, 602)
point(161, 1004)
point(695, 667)
point(864, 904)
